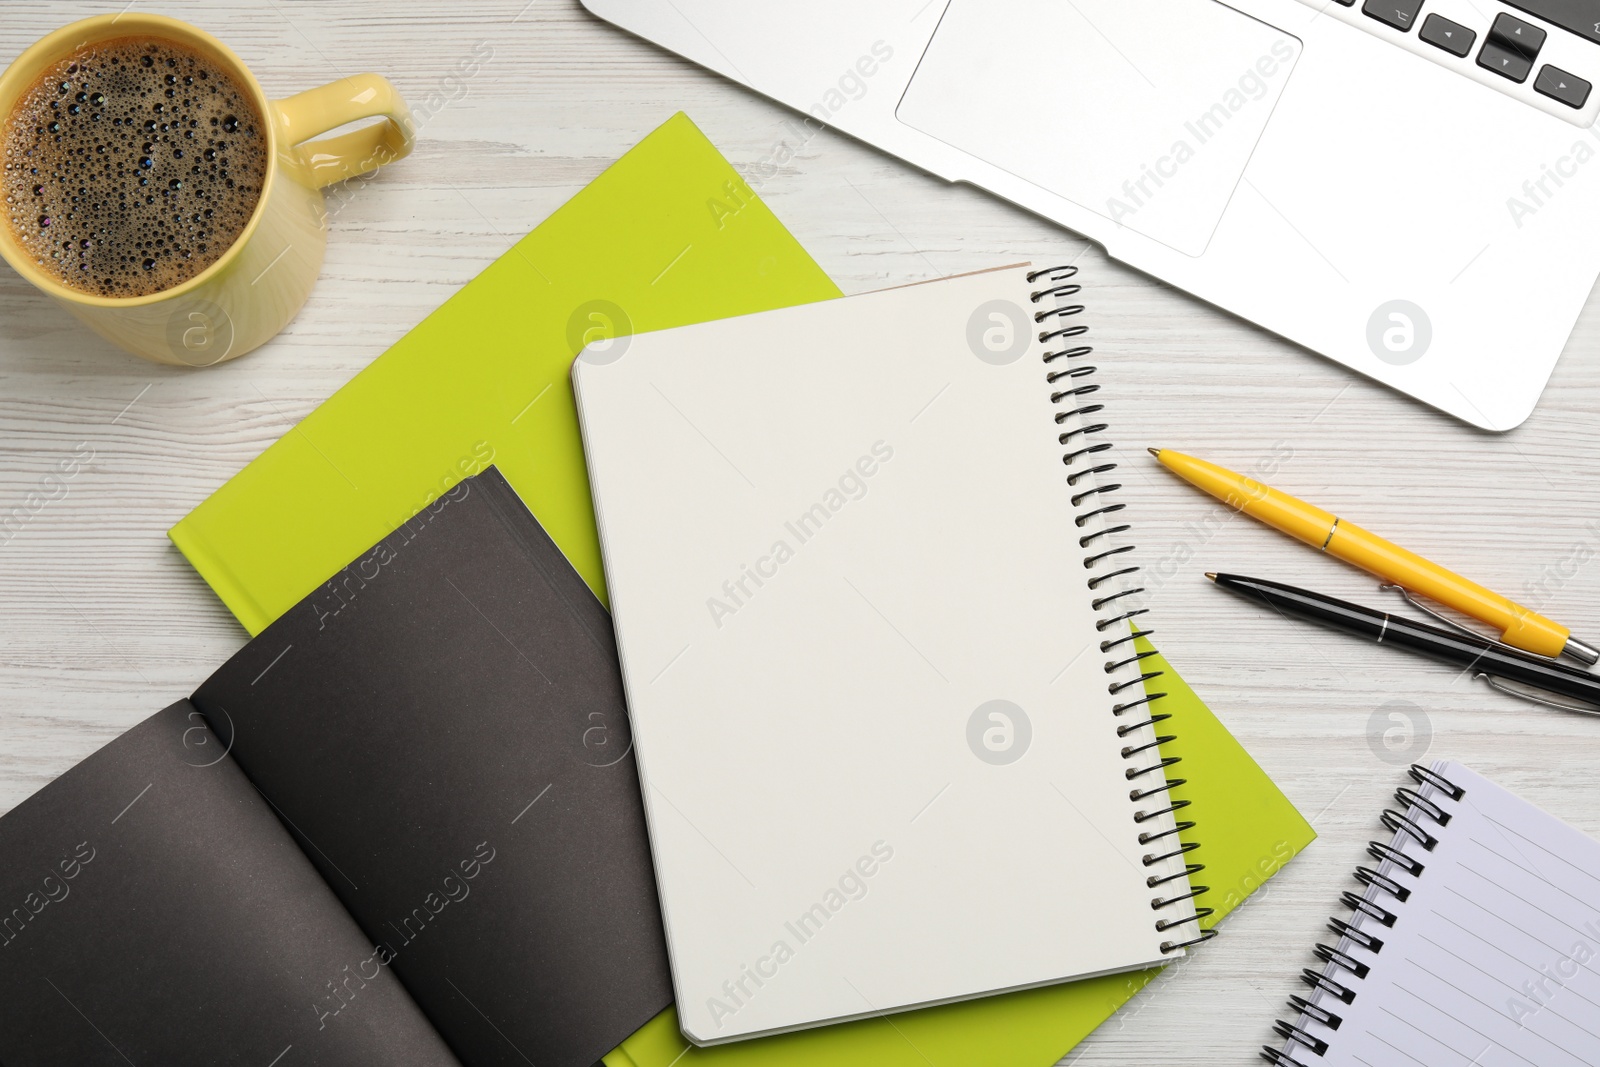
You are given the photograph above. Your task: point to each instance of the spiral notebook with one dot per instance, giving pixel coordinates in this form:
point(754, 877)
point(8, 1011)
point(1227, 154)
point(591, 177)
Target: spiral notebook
point(877, 626)
point(1473, 940)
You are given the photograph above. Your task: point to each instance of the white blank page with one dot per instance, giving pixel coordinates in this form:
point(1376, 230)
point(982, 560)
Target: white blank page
point(1492, 959)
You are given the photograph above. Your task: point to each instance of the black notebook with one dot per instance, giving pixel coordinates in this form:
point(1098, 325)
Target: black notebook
point(401, 826)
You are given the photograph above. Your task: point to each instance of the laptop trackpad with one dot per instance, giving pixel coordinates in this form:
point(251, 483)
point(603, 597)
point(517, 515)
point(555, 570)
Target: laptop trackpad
point(1145, 112)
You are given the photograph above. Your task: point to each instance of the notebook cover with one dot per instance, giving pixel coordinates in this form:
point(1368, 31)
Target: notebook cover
point(668, 235)
point(829, 634)
point(256, 541)
point(446, 738)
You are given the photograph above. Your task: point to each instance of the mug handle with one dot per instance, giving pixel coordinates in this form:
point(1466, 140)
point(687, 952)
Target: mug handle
point(316, 111)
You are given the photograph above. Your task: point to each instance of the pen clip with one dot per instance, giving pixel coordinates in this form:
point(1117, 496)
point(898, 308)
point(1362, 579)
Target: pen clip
point(1456, 626)
point(1515, 690)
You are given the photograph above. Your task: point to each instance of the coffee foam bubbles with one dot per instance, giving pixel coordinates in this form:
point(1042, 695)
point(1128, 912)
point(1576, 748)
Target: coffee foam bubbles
point(131, 166)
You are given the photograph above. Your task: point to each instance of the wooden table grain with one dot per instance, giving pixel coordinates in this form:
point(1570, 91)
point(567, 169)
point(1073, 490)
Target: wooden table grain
point(103, 622)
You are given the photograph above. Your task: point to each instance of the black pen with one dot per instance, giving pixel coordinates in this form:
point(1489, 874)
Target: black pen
point(1477, 654)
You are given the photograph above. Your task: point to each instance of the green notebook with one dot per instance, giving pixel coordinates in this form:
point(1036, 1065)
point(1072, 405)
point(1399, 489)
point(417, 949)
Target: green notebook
point(668, 235)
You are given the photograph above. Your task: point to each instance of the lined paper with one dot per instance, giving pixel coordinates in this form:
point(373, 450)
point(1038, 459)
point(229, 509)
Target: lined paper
point(1493, 961)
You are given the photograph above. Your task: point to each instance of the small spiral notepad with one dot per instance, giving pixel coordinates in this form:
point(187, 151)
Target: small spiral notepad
point(873, 595)
point(1475, 939)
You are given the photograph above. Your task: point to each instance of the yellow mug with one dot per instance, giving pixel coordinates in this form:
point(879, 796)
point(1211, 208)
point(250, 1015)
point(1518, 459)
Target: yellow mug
point(259, 284)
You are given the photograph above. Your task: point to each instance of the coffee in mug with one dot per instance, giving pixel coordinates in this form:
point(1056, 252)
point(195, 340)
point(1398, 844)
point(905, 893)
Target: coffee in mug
point(131, 165)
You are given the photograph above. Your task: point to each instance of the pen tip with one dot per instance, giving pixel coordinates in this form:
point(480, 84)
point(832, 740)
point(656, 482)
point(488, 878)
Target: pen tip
point(1154, 451)
point(1212, 575)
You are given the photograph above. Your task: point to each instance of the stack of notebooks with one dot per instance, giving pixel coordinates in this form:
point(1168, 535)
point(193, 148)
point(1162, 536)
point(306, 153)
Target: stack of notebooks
point(875, 739)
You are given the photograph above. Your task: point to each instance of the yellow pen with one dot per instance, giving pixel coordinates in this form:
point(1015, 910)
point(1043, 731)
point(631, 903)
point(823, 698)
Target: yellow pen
point(1520, 627)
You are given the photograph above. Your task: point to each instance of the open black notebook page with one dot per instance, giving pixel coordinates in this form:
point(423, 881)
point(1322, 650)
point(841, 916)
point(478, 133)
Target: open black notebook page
point(441, 730)
point(156, 911)
point(451, 704)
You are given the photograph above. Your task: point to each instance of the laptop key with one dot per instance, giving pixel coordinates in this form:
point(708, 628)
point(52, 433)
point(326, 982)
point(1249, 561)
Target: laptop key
point(1506, 62)
point(1557, 84)
point(1451, 36)
point(1397, 13)
point(1575, 16)
point(1518, 36)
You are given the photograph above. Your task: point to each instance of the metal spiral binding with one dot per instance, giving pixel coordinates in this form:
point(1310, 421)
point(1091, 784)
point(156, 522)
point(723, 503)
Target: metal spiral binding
point(1335, 987)
point(1079, 430)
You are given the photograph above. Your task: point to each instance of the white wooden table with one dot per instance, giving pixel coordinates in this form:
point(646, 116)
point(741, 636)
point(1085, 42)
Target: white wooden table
point(103, 622)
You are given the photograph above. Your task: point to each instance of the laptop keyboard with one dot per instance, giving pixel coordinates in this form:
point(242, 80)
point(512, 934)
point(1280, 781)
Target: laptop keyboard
point(1540, 54)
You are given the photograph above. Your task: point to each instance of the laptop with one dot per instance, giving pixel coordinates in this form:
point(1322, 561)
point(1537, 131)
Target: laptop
point(1408, 187)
